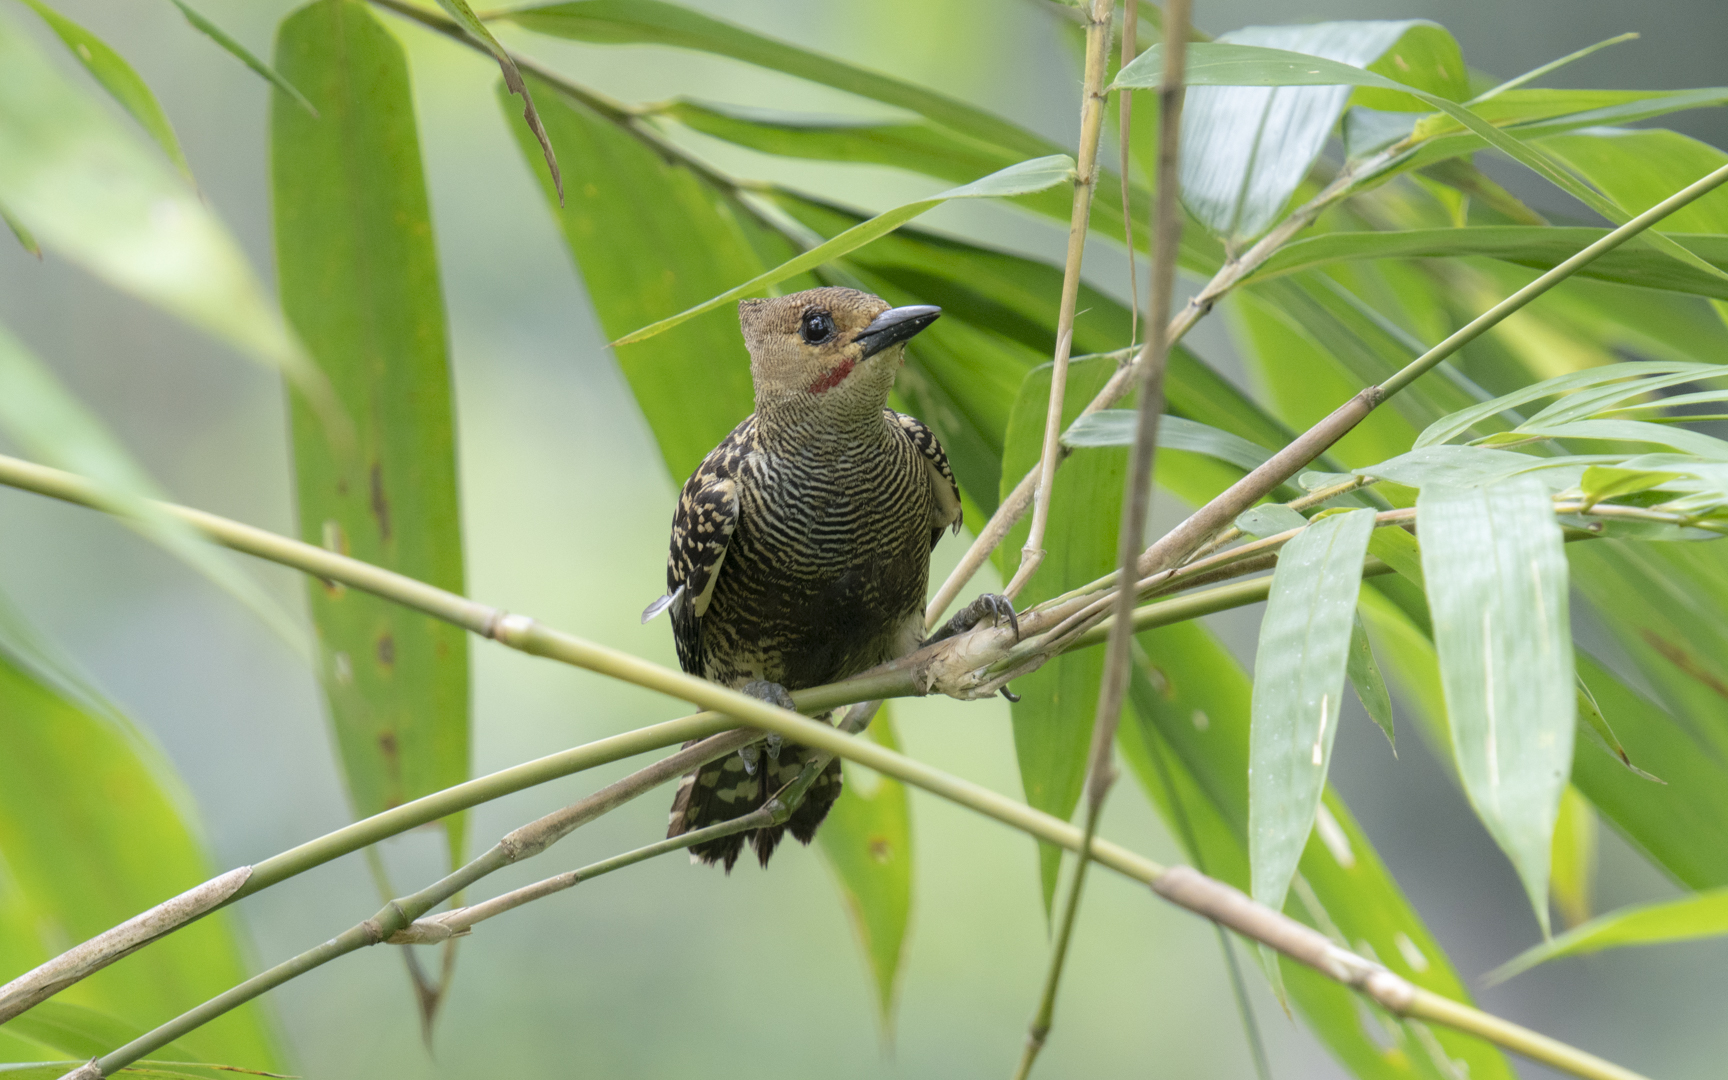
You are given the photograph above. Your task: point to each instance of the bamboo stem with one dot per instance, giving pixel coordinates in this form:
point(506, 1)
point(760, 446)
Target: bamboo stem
point(1092, 101)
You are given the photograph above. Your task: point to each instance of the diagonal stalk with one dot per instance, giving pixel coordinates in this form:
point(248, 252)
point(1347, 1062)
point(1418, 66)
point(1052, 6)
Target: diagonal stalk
point(1079, 225)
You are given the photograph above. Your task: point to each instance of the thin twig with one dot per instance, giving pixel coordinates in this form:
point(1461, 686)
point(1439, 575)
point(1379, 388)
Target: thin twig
point(1124, 149)
point(1136, 504)
point(1079, 226)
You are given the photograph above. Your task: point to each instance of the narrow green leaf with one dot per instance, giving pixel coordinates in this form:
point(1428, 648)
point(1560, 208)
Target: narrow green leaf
point(1497, 589)
point(1573, 864)
point(243, 54)
point(1616, 379)
point(1222, 64)
point(359, 279)
point(1028, 176)
point(1270, 520)
point(1058, 702)
point(1245, 149)
point(82, 856)
point(1190, 724)
point(81, 1032)
point(117, 77)
point(87, 187)
point(1603, 482)
point(652, 22)
point(693, 386)
point(1540, 248)
point(1640, 168)
point(1299, 670)
point(45, 419)
point(1398, 549)
point(1702, 916)
point(464, 16)
point(1116, 427)
point(1549, 68)
point(1368, 682)
point(26, 239)
point(867, 840)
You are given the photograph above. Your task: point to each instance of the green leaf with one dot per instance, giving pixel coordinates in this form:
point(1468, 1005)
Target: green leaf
point(867, 840)
point(1270, 519)
point(26, 239)
point(1245, 149)
point(82, 856)
point(693, 386)
point(1540, 248)
point(1618, 383)
point(1116, 427)
point(87, 187)
point(1549, 68)
point(1187, 740)
point(1497, 590)
point(1299, 691)
point(80, 1032)
point(243, 54)
point(42, 416)
point(117, 77)
point(359, 280)
point(1702, 916)
point(1058, 702)
point(1573, 864)
point(465, 17)
point(1027, 176)
point(1603, 482)
point(1638, 169)
point(1368, 682)
point(1221, 64)
point(652, 22)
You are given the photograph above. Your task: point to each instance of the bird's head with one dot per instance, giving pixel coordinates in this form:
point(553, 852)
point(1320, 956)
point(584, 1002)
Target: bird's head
point(829, 351)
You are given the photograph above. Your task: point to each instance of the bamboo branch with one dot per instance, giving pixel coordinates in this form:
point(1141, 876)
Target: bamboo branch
point(1092, 101)
point(1136, 502)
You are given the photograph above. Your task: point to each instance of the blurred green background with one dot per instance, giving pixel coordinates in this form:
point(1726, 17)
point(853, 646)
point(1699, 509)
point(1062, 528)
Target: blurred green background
point(671, 970)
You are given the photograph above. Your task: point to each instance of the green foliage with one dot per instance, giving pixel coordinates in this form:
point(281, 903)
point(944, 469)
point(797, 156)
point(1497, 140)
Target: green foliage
point(359, 279)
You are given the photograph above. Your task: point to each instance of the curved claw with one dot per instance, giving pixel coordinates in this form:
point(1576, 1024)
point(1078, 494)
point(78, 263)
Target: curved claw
point(992, 606)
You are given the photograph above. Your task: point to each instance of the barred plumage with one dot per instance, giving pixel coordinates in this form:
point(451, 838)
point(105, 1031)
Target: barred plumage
point(801, 546)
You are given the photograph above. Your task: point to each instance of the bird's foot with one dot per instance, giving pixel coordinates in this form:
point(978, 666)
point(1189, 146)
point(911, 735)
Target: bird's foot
point(774, 694)
point(993, 606)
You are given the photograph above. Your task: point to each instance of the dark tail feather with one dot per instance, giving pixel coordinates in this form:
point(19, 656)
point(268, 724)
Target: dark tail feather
point(723, 790)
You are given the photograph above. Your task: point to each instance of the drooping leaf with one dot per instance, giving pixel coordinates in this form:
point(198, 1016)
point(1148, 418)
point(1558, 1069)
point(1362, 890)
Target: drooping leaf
point(88, 188)
point(1270, 519)
point(1540, 248)
point(97, 828)
point(45, 419)
point(1299, 671)
point(1115, 427)
point(81, 1032)
point(693, 385)
point(1573, 864)
point(243, 54)
point(1186, 739)
point(652, 22)
point(26, 239)
point(1027, 176)
point(359, 280)
point(1497, 591)
point(1701, 916)
point(1549, 68)
point(1246, 148)
point(1618, 383)
point(1053, 718)
point(465, 17)
point(1368, 682)
point(867, 840)
point(117, 77)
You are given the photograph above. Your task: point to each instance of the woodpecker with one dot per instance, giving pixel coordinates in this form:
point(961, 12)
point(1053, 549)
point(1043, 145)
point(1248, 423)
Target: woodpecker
point(801, 545)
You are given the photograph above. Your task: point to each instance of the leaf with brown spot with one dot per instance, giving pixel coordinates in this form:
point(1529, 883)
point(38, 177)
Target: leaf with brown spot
point(462, 13)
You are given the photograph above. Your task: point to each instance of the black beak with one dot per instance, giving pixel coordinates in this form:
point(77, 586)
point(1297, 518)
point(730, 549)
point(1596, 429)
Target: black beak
point(894, 326)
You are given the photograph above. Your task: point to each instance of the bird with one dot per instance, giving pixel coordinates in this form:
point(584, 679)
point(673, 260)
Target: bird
point(800, 548)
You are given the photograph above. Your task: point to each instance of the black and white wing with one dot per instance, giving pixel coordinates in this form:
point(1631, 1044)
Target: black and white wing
point(946, 490)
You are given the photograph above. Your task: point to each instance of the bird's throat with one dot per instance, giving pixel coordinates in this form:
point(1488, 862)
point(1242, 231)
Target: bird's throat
point(832, 378)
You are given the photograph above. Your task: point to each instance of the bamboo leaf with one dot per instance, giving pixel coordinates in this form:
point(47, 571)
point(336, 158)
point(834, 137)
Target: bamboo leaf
point(359, 279)
point(464, 15)
point(89, 189)
point(652, 22)
point(1028, 176)
point(1704, 915)
point(631, 199)
point(243, 54)
point(867, 840)
point(1573, 863)
point(1058, 702)
point(1299, 670)
point(1619, 382)
point(1270, 519)
point(1115, 427)
point(45, 419)
point(1540, 248)
point(1187, 740)
point(117, 77)
point(1640, 168)
point(1247, 148)
point(26, 239)
point(1368, 682)
point(82, 856)
point(1505, 649)
point(81, 1032)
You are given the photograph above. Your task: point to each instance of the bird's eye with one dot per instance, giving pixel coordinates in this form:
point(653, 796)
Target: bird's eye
point(817, 327)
